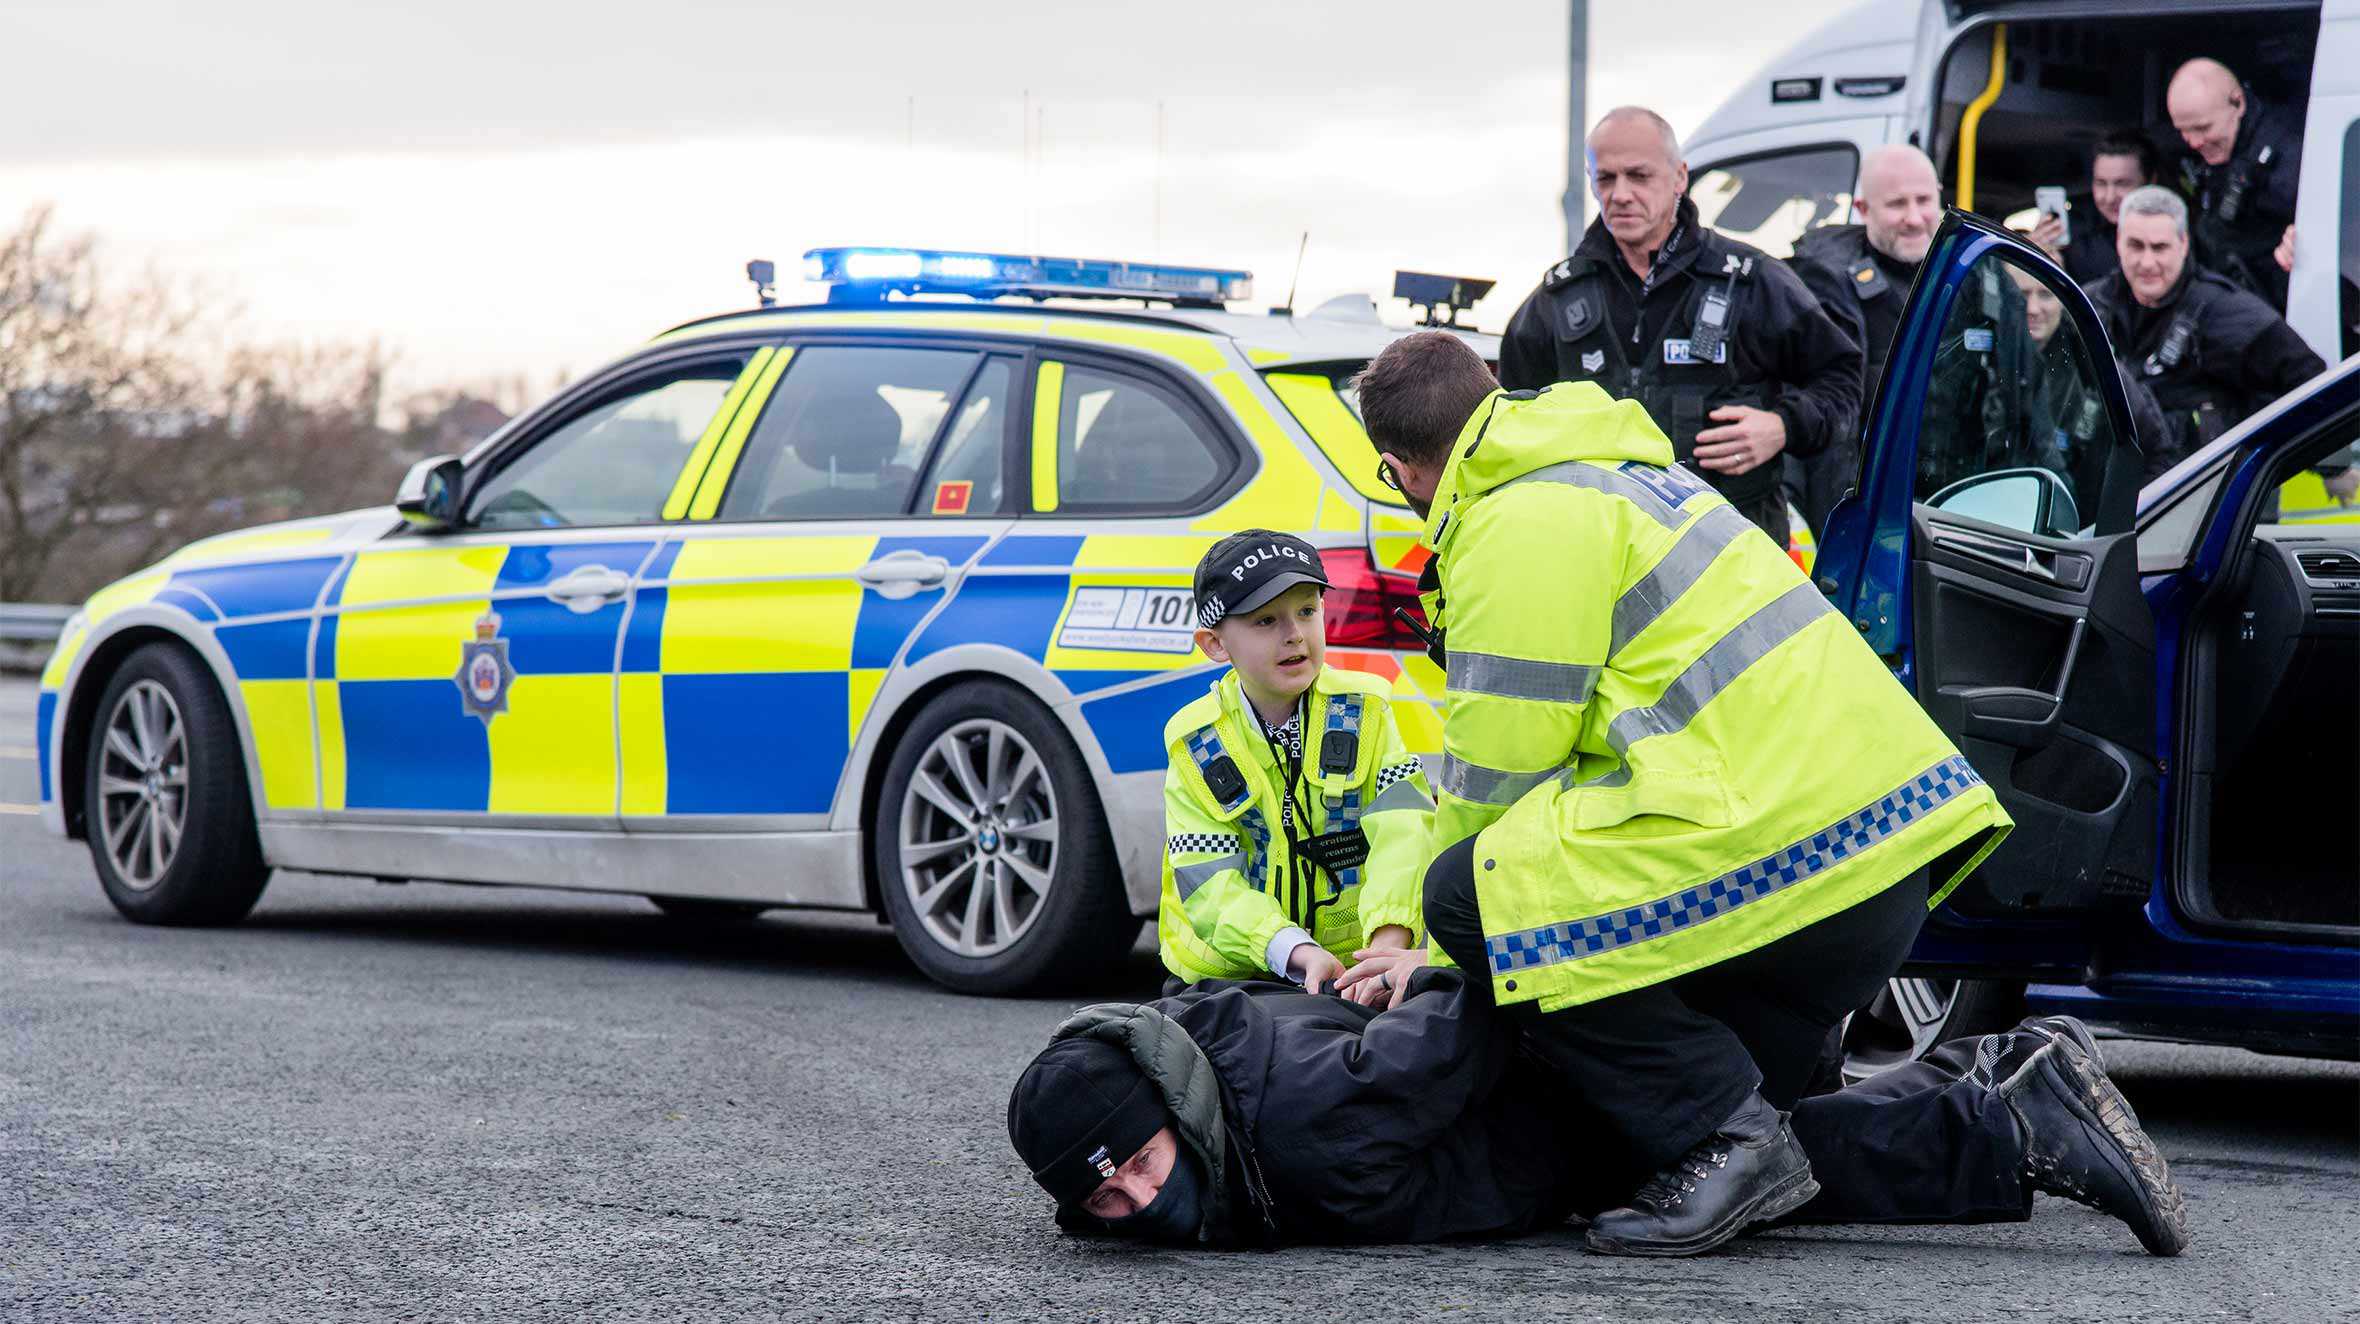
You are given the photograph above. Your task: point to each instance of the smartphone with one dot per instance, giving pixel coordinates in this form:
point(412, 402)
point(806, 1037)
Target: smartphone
point(2050, 199)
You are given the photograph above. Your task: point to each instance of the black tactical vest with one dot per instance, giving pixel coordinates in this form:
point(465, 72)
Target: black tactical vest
point(2176, 373)
point(1844, 250)
point(1680, 379)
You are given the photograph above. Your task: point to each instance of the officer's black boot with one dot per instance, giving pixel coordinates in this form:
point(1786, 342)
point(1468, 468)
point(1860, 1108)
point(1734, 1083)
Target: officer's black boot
point(2083, 1142)
point(1749, 1170)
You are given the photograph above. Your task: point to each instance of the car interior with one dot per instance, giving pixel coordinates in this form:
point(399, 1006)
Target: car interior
point(2272, 740)
point(2069, 81)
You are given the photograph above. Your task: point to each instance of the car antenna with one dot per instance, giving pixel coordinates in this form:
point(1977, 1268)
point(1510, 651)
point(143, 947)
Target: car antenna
point(1297, 282)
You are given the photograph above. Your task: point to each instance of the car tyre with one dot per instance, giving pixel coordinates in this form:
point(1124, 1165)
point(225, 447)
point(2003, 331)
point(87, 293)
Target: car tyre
point(168, 810)
point(999, 876)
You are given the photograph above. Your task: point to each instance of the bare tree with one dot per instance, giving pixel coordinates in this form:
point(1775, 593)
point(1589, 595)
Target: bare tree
point(129, 424)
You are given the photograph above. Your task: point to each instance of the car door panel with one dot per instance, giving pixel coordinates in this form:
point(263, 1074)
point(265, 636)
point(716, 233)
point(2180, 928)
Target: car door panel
point(409, 626)
point(2028, 642)
point(2040, 684)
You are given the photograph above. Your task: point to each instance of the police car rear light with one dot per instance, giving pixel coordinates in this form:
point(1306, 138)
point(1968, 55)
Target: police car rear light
point(1361, 599)
point(873, 273)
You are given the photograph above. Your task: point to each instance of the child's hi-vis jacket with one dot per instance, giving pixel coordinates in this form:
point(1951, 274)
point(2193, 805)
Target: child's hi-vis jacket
point(1238, 869)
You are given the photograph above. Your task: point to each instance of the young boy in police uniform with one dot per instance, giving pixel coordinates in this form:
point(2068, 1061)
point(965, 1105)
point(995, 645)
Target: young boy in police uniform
point(1295, 818)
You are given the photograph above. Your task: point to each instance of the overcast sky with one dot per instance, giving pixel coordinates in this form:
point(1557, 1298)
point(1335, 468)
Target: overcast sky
point(495, 188)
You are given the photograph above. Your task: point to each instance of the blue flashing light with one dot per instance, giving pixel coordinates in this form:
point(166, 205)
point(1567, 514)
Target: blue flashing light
point(873, 273)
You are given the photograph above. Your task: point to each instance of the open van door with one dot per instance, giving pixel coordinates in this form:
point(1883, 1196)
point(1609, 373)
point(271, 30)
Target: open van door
point(1989, 557)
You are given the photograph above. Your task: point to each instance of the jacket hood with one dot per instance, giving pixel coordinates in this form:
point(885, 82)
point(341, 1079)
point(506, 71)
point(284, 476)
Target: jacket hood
point(1513, 433)
point(1185, 1077)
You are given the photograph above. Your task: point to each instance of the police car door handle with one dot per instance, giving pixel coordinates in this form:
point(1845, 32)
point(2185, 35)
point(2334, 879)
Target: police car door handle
point(589, 587)
point(903, 573)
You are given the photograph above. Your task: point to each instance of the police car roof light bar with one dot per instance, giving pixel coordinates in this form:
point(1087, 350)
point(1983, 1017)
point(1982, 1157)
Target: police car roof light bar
point(867, 275)
point(1428, 292)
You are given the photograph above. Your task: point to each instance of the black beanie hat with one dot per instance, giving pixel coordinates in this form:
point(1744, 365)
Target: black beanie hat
point(1078, 1113)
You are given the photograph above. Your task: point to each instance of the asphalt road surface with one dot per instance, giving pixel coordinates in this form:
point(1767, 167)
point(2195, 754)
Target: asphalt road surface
point(430, 1102)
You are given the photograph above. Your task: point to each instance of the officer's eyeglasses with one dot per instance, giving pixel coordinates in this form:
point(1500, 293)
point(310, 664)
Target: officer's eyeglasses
point(1386, 476)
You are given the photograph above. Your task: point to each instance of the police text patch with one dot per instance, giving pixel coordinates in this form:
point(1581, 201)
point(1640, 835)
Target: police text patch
point(1678, 352)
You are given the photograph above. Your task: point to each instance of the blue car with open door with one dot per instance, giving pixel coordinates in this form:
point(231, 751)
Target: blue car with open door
point(2160, 682)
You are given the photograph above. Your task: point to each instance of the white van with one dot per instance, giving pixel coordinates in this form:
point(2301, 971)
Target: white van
point(1781, 154)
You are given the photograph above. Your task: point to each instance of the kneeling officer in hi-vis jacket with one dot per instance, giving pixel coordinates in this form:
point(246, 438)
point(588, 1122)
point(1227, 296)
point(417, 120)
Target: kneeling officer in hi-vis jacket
point(1687, 817)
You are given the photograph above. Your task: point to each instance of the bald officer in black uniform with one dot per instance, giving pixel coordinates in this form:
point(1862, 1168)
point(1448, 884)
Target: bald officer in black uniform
point(2239, 173)
point(1731, 356)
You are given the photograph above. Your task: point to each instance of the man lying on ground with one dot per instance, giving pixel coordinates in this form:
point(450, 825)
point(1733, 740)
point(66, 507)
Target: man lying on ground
point(1254, 1114)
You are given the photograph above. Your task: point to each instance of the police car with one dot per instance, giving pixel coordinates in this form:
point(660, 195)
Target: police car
point(877, 604)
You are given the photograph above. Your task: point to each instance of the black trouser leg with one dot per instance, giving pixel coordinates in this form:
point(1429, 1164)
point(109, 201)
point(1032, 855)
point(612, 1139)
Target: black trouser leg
point(1916, 1144)
point(1663, 1065)
point(1656, 1072)
point(1782, 999)
point(1921, 1147)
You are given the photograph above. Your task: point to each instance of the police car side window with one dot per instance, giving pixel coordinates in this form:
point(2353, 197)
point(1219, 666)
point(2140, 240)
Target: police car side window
point(2015, 430)
point(968, 476)
point(615, 462)
point(1119, 443)
point(844, 433)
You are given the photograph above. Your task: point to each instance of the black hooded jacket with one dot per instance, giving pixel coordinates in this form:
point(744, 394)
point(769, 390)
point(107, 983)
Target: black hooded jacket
point(1329, 1123)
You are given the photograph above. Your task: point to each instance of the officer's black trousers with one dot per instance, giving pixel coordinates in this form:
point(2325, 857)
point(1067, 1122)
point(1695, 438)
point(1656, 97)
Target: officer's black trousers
point(1657, 1068)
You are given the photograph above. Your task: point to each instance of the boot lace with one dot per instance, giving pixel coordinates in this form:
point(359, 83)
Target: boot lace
point(1671, 1187)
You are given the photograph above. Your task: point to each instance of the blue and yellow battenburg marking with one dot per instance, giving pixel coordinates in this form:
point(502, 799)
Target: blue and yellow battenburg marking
point(735, 679)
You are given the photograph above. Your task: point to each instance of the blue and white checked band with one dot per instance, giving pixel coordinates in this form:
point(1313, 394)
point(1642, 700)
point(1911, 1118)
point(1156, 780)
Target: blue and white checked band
point(1572, 940)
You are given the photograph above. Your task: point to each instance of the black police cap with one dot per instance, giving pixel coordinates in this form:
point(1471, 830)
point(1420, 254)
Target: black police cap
point(1245, 570)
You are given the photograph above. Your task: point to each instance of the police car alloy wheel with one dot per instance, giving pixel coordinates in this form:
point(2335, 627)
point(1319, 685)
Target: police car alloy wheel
point(166, 805)
point(1910, 1017)
point(991, 850)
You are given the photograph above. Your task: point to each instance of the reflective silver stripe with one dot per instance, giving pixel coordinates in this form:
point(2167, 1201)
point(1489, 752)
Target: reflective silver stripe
point(1880, 821)
point(1402, 795)
point(1517, 678)
point(1189, 877)
point(1725, 661)
point(1577, 473)
point(1489, 786)
point(1675, 574)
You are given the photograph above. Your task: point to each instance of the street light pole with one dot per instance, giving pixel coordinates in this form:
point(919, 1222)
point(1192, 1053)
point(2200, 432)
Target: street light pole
point(1577, 79)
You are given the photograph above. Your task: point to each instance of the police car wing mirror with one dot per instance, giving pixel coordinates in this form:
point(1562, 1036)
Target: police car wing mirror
point(429, 495)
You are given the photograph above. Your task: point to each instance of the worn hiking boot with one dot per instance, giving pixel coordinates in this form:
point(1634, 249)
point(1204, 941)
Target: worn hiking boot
point(2083, 1142)
point(1750, 1170)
